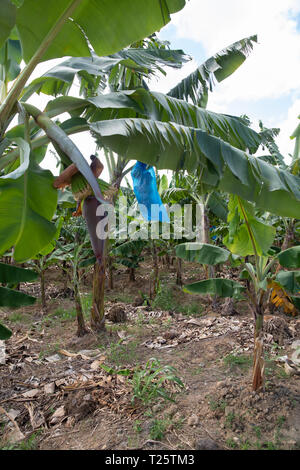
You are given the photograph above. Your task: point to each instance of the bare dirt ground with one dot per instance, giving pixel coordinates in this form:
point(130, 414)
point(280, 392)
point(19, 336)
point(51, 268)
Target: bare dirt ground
point(63, 392)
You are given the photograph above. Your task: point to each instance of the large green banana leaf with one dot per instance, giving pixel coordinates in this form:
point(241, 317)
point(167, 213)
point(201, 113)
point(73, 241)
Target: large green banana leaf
point(14, 298)
point(28, 203)
point(14, 274)
point(109, 25)
point(175, 147)
point(11, 298)
point(8, 19)
point(202, 253)
point(5, 333)
point(289, 280)
point(242, 218)
point(216, 286)
point(290, 258)
point(160, 107)
point(218, 67)
point(144, 103)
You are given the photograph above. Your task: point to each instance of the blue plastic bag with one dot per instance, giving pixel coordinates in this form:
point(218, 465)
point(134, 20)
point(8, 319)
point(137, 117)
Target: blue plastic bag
point(145, 190)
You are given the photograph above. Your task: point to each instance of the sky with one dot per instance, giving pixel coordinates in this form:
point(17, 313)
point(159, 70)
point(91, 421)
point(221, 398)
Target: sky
point(266, 86)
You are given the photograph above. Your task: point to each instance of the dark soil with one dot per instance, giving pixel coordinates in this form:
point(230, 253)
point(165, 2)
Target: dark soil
point(56, 394)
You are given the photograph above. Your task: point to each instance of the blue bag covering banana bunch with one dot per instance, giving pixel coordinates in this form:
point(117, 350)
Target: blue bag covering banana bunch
point(145, 190)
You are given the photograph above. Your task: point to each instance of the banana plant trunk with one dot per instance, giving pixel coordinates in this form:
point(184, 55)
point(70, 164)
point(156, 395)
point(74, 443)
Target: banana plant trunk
point(258, 376)
point(98, 240)
point(97, 311)
point(81, 328)
point(131, 275)
point(179, 272)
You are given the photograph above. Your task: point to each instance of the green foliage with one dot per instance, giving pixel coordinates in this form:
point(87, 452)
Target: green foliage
point(241, 361)
point(149, 382)
point(129, 253)
point(13, 274)
point(28, 204)
point(26, 444)
point(290, 258)
point(137, 63)
point(158, 429)
point(220, 287)
point(122, 353)
point(218, 67)
point(119, 24)
point(202, 253)
point(241, 216)
point(5, 333)
point(289, 280)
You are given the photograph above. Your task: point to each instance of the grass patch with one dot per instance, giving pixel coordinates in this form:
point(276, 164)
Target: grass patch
point(149, 382)
point(231, 443)
point(164, 300)
point(158, 429)
point(27, 444)
point(234, 361)
point(124, 297)
point(217, 404)
point(17, 317)
point(193, 309)
point(119, 353)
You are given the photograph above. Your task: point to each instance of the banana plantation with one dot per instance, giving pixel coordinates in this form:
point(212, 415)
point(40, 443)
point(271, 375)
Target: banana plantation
point(149, 288)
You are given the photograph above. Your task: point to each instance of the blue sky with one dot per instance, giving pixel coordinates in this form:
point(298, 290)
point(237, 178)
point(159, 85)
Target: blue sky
point(267, 85)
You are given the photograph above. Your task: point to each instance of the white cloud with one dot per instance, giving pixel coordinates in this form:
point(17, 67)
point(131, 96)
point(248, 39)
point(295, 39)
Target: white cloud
point(287, 127)
point(174, 76)
point(273, 69)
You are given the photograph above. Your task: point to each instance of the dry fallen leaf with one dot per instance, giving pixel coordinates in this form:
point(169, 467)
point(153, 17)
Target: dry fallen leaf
point(49, 388)
point(31, 393)
point(57, 415)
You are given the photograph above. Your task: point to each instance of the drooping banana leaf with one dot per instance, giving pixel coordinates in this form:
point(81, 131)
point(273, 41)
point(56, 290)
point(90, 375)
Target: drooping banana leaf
point(163, 108)
point(216, 68)
point(145, 104)
point(175, 147)
point(59, 79)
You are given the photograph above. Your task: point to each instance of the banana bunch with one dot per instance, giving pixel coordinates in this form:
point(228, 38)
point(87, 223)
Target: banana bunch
point(80, 187)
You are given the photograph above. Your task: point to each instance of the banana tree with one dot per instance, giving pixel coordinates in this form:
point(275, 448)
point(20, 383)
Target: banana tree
point(129, 254)
point(249, 236)
point(80, 256)
point(135, 63)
